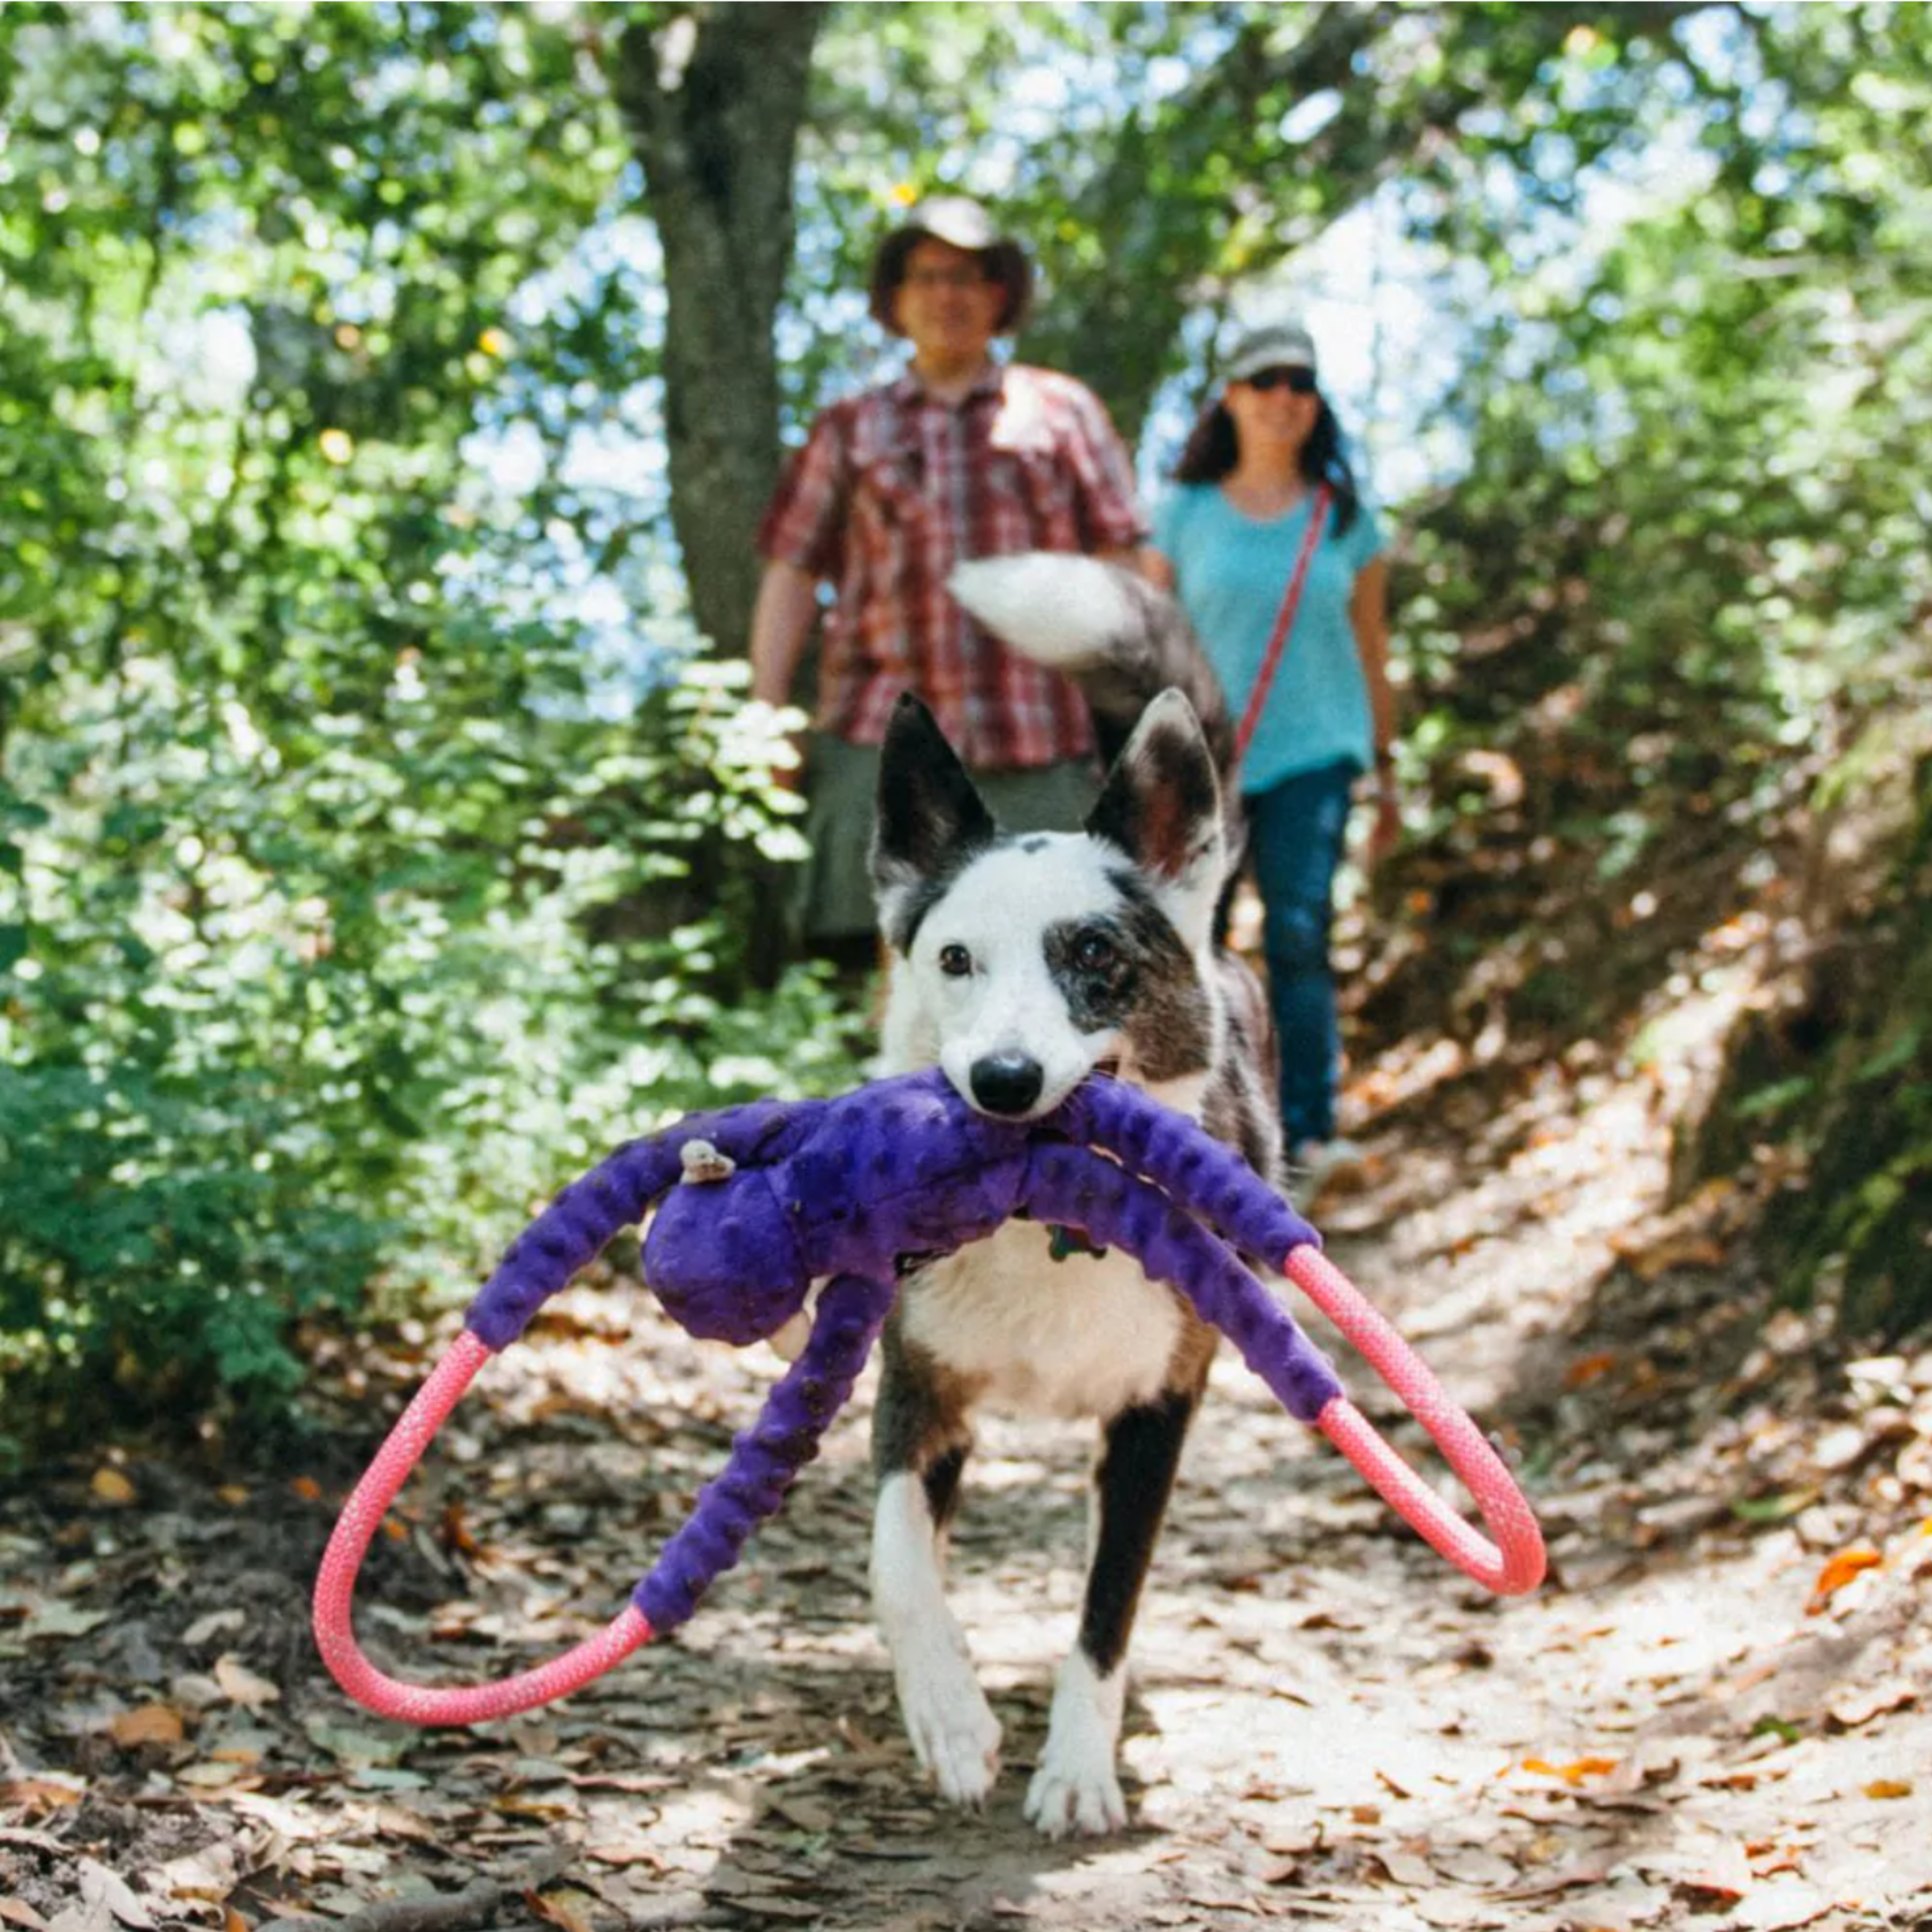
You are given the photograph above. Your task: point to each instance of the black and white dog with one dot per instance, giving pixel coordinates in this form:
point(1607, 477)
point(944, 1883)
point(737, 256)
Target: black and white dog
point(1019, 965)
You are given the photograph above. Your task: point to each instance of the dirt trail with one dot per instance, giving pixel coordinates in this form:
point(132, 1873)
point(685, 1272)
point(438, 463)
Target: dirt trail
point(1686, 1728)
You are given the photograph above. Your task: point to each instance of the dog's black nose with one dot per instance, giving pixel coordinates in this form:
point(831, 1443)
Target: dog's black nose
point(1005, 1083)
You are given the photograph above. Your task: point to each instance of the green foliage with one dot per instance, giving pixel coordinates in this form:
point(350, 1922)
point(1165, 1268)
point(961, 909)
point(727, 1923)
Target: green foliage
point(1156, 157)
point(348, 897)
point(1677, 601)
point(1833, 1086)
point(361, 1015)
point(342, 914)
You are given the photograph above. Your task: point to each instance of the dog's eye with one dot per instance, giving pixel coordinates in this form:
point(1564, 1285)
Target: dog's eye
point(954, 961)
point(1095, 952)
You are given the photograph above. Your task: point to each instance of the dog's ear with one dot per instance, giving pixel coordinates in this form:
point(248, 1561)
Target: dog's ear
point(930, 819)
point(1161, 805)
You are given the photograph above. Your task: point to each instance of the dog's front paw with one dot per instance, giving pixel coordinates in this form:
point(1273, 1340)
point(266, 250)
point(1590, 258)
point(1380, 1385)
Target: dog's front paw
point(1068, 1796)
point(1074, 1789)
point(954, 1733)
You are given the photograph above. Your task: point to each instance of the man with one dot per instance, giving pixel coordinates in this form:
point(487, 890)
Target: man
point(959, 456)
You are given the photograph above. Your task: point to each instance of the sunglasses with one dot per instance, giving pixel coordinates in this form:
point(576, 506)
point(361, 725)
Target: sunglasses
point(1301, 381)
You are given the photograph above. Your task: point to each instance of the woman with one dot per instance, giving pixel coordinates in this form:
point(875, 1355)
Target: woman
point(1264, 462)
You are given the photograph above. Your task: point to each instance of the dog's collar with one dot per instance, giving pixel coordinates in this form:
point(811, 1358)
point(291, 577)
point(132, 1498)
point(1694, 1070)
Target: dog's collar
point(1064, 1242)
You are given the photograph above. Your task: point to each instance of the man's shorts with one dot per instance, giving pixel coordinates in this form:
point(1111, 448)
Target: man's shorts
point(841, 785)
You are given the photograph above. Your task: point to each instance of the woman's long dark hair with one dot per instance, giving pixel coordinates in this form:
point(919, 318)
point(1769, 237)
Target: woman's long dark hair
point(1214, 444)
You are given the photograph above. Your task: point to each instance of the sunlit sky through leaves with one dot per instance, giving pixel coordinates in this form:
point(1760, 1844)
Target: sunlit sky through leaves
point(1394, 320)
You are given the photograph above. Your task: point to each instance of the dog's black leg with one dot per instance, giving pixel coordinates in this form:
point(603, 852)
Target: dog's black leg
point(920, 1437)
point(1076, 1788)
point(941, 1479)
point(1131, 1487)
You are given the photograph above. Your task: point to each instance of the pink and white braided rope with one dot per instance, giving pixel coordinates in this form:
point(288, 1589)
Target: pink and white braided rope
point(1514, 1563)
point(362, 1516)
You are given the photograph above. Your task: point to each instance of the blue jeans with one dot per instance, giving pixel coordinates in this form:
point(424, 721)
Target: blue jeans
point(1295, 831)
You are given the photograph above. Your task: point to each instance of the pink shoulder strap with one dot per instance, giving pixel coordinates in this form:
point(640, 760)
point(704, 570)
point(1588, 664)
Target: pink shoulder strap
point(1284, 622)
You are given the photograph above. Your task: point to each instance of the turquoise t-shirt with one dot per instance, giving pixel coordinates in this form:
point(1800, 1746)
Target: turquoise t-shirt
point(1231, 574)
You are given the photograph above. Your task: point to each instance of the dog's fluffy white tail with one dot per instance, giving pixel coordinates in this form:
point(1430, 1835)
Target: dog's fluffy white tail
point(1105, 627)
point(1065, 612)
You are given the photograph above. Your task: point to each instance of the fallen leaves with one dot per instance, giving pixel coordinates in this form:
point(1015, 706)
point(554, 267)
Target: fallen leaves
point(1404, 1866)
point(1574, 1773)
point(756, 1771)
point(1650, 1259)
point(217, 1623)
point(637, 1852)
point(107, 1903)
point(1858, 1706)
point(1723, 1880)
point(112, 1489)
point(150, 1724)
point(38, 1797)
point(60, 1620)
point(240, 1685)
point(1576, 1877)
point(569, 1910)
point(1777, 1508)
point(1588, 1369)
point(1843, 1568)
point(1783, 1907)
point(1696, 1234)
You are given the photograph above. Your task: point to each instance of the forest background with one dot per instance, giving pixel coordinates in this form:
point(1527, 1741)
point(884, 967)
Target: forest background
point(387, 396)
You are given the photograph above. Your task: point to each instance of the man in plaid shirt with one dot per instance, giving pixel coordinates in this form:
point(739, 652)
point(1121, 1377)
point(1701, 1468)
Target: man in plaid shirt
point(960, 456)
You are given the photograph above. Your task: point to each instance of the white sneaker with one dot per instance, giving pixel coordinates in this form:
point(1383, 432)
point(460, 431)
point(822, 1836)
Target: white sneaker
point(1312, 1164)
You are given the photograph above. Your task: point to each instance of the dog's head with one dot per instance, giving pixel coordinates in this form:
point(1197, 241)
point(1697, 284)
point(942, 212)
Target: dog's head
point(1022, 963)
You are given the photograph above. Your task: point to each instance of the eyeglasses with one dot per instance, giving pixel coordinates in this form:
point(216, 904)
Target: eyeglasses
point(946, 278)
point(1301, 381)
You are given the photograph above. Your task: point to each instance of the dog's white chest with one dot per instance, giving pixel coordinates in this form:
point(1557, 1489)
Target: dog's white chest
point(1086, 1336)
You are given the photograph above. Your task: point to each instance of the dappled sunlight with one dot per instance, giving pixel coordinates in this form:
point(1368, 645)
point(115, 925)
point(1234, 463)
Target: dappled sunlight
point(388, 397)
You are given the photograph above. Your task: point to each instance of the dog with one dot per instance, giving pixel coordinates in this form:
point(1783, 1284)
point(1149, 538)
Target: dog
point(1020, 965)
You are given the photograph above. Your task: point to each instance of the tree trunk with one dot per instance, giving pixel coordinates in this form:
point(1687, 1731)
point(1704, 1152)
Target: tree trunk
point(715, 95)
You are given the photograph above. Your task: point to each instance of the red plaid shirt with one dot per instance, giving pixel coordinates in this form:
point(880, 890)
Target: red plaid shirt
point(893, 488)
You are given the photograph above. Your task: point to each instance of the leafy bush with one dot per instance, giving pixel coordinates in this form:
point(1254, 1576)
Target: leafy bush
point(275, 1030)
point(339, 918)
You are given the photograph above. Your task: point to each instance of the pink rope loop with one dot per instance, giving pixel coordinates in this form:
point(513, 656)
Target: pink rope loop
point(342, 1562)
point(1515, 1562)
